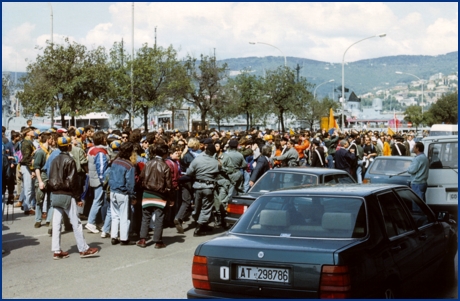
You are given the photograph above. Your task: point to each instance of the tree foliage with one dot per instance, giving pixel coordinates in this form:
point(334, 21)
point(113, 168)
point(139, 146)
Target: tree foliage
point(205, 84)
point(119, 86)
point(68, 77)
point(414, 114)
point(160, 79)
point(246, 94)
point(445, 110)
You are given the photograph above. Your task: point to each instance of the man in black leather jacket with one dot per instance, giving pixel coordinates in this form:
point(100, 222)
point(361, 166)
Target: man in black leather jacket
point(65, 197)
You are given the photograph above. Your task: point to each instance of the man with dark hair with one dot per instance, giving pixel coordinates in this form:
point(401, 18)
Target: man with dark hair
point(204, 170)
point(41, 184)
point(121, 182)
point(345, 156)
point(65, 197)
point(9, 181)
point(98, 164)
point(419, 171)
point(28, 175)
point(398, 148)
point(157, 183)
point(290, 156)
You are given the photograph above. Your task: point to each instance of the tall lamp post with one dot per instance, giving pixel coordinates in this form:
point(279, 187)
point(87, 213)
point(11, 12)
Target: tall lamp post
point(314, 91)
point(285, 62)
point(343, 72)
point(399, 72)
point(132, 75)
point(52, 106)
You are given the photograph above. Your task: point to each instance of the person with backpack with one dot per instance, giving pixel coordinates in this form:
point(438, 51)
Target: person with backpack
point(65, 197)
point(98, 163)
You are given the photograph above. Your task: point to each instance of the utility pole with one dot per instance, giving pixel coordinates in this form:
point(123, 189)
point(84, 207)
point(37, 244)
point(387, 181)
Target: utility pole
point(155, 46)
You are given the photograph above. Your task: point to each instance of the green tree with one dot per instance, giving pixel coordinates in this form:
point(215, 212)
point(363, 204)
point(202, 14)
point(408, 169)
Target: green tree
point(68, 77)
point(245, 92)
point(6, 92)
point(119, 86)
point(414, 114)
point(285, 96)
point(445, 110)
point(205, 84)
point(160, 80)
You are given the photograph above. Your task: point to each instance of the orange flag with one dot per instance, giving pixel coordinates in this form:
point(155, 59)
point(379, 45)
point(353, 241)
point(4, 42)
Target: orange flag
point(332, 122)
point(390, 131)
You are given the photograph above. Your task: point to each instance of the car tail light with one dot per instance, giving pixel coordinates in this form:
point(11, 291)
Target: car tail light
point(200, 273)
point(237, 209)
point(335, 282)
point(366, 181)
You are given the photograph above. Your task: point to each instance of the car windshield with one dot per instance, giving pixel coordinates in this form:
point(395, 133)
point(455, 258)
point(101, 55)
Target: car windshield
point(276, 180)
point(305, 216)
point(389, 167)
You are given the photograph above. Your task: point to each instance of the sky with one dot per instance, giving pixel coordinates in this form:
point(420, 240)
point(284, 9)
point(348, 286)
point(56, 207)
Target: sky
point(313, 30)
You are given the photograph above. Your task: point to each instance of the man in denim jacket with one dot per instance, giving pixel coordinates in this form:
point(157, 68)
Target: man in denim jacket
point(121, 182)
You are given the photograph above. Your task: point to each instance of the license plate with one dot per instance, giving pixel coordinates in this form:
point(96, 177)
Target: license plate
point(263, 274)
point(452, 196)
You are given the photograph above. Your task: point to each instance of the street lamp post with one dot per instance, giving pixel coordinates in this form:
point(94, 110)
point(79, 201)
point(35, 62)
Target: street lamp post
point(343, 72)
point(52, 106)
point(314, 91)
point(132, 75)
point(285, 62)
point(399, 72)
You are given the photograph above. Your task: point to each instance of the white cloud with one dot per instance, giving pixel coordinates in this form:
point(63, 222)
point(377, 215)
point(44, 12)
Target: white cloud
point(314, 30)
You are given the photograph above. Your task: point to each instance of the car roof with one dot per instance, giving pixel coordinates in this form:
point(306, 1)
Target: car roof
point(396, 158)
point(336, 189)
point(306, 169)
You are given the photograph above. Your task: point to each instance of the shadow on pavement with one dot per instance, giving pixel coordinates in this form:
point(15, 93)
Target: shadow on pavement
point(16, 240)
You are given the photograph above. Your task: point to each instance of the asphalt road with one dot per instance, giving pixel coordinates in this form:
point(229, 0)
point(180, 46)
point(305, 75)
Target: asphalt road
point(29, 271)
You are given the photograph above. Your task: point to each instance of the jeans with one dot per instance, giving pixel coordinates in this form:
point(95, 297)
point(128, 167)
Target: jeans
point(186, 204)
point(330, 161)
point(76, 225)
point(247, 176)
point(99, 194)
point(147, 217)
point(419, 189)
point(28, 187)
point(108, 220)
point(359, 172)
point(119, 209)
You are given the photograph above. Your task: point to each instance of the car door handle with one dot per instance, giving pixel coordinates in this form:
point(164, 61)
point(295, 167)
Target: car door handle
point(396, 249)
point(423, 237)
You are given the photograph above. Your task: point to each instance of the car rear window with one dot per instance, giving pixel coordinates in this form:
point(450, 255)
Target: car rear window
point(305, 216)
point(389, 167)
point(276, 180)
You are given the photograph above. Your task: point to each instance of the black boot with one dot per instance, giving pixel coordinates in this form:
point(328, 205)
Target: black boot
point(199, 231)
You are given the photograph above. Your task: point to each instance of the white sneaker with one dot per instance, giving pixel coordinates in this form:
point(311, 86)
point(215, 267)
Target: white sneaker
point(105, 235)
point(92, 228)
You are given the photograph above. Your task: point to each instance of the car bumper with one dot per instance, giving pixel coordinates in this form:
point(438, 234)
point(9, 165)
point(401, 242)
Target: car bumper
point(231, 220)
point(204, 294)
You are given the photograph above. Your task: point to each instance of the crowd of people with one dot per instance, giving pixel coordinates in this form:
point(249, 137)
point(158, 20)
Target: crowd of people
point(127, 183)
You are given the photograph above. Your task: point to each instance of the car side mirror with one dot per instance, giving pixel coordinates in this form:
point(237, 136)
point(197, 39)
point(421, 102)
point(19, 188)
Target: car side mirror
point(444, 216)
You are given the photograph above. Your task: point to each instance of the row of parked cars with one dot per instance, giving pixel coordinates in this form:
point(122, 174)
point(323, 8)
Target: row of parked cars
point(314, 233)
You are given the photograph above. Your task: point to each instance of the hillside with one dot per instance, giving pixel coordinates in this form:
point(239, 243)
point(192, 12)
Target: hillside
point(360, 76)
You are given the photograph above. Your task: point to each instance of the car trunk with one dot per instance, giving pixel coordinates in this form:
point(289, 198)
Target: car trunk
point(231, 257)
